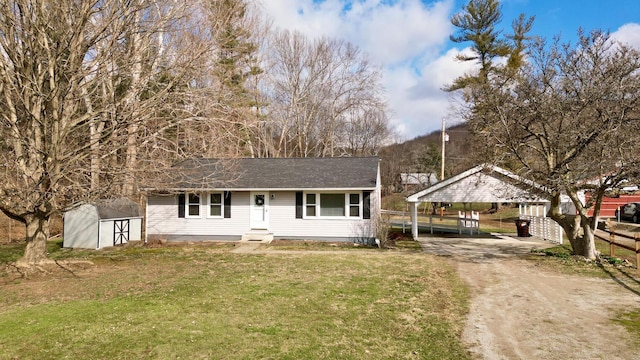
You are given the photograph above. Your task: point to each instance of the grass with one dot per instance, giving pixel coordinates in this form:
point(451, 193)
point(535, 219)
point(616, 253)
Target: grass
point(205, 302)
point(560, 258)
point(631, 321)
point(604, 248)
point(13, 251)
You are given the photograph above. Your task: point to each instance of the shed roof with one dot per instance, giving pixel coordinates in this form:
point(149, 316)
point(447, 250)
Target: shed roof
point(117, 208)
point(276, 173)
point(483, 183)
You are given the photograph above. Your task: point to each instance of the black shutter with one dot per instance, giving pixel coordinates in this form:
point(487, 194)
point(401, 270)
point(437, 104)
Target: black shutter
point(366, 204)
point(298, 204)
point(227, 204)
point(181, 202)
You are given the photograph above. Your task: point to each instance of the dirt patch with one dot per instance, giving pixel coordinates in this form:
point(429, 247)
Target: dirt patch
point(523, 311)
point(61, 270)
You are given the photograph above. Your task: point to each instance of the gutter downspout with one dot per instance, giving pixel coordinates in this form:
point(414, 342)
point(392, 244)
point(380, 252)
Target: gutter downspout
point(99, 229)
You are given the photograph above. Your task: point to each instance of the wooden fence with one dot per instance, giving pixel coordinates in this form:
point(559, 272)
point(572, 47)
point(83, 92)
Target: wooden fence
point(622, 242)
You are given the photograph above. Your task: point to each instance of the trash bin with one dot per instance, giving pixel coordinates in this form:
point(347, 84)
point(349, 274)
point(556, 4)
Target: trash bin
point(523, 227)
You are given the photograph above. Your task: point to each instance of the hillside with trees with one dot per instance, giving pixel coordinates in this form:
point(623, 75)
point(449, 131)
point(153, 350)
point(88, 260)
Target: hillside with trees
point(423, 154)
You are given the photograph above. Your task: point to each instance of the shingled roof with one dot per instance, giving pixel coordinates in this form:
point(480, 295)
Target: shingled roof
point(276, 173)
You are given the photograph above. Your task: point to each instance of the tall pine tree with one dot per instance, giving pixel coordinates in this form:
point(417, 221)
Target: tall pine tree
point(478, 23)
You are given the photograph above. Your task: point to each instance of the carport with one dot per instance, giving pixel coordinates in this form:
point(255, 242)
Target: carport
point(482, 184)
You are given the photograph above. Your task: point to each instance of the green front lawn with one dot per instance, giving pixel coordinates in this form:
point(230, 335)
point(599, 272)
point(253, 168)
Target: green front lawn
point(205, 302)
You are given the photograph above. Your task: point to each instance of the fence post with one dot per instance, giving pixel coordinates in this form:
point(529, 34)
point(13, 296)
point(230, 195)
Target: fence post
point(612, 240)
point(431, 224)
point(637, 238)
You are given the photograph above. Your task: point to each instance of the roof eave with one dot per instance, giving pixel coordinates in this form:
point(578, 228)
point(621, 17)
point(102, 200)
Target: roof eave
point(373, 187)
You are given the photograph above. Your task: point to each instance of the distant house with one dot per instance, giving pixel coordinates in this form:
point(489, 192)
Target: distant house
point(331, 199)
point(417, 181)
point(101, 224)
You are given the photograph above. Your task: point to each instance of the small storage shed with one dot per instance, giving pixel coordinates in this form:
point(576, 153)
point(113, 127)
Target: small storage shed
point(102, 224)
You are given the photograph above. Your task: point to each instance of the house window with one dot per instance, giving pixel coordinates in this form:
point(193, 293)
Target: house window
point(193, 205)
point(354, 205)
point(332, 204)
point(215, 204)
point(311, 205)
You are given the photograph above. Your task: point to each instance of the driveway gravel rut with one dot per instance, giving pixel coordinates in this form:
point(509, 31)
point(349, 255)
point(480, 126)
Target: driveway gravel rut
point(521, 311)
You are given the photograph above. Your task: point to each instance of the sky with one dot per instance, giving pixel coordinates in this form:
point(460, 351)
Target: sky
point(409, 40)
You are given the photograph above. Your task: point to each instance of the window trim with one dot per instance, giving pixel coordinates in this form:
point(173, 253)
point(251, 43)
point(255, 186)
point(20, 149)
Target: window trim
point(347, 205)
point(188, 203)
point(315, 205)
point(204, 205)
point(209, 204)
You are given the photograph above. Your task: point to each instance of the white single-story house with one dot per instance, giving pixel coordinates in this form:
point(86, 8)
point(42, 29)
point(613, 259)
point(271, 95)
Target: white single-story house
point(485, 184)
point(103, 223)
point(330, 199)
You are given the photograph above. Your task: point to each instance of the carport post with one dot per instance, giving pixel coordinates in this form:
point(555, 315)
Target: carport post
point(414, 219)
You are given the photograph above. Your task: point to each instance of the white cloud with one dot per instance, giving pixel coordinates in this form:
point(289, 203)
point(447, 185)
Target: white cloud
point(404, 36)
point(389, 31)
point(419, 100)
point(397, 33)
point(628, 34)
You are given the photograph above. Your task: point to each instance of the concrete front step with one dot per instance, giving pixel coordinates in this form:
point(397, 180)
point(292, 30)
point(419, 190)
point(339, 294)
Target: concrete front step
point(258, 237)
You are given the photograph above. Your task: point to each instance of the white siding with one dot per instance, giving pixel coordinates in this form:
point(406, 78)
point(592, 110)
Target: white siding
point(107, 229)
point(135, 230)
point(81, 228)
point(478, 188)
point(162, 220)
point(106, 234)
point(283, 222)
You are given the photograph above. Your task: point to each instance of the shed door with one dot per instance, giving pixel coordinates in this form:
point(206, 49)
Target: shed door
point(120, 232)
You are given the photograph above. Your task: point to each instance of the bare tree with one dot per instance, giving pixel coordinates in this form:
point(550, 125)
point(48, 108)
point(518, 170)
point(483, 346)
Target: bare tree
point(317, 90)
point(220, 110)
point(79, 80)
point(364, 131)
point(568, 119)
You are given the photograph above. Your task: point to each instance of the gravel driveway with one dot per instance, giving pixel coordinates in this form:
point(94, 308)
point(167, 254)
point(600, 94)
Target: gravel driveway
point(521, 311)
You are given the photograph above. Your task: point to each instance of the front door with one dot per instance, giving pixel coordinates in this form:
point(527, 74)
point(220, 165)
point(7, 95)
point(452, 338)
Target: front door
point(260, 210)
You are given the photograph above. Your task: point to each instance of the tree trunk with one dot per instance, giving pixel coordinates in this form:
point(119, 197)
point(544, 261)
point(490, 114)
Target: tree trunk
point(37, 235)
point(582, 244)
point(130, 186)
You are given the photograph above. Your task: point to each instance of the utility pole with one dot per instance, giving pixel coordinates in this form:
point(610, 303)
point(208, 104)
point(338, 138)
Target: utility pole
point(445, 138)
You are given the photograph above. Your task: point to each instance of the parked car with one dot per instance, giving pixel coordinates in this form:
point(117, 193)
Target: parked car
point(630, 211)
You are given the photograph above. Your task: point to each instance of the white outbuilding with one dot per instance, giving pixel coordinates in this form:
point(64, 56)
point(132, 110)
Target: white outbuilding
point(490, 184)
point(102, 224)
